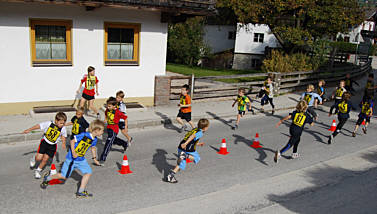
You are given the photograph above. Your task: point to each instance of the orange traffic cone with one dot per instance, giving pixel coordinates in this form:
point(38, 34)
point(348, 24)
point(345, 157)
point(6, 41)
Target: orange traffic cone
point(256, 142)
point(125, 167)
point(223, 150)
point(53, 172)
point(363, 123)
point(333, 126)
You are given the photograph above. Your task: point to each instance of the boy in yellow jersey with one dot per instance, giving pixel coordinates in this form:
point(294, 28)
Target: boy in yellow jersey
point(184, 108)
point(78, 122)
point(187, 149)
point(344, 108)
point(242, 101)
point(75, 158)
point(48, 145)
point(299, 119)
point(337, 94)
point(366, 113)
point(268, 95)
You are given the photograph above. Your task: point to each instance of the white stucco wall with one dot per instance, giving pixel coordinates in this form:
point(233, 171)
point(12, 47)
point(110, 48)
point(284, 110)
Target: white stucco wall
point(21, 82)
point(216, 36)
point(245, 39)
point(354, 34)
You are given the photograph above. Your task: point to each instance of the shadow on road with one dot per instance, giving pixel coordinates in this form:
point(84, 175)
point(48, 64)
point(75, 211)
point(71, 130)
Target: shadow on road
point(161, 162)
point(166, 121)
point(261, 151)
point(226, 122)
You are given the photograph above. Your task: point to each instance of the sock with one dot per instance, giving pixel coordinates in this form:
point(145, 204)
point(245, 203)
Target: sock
point(81, 190)
point(39, 169)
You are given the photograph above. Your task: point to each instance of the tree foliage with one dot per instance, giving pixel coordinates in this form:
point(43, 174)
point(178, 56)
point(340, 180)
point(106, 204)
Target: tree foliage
point(185, 41)
point(298, 22)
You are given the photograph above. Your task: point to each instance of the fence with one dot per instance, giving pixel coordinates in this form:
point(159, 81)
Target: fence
point(216, 86)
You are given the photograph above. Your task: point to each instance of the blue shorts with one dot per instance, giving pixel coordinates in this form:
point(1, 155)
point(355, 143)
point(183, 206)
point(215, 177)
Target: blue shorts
point(70, 165)
point(195, 154)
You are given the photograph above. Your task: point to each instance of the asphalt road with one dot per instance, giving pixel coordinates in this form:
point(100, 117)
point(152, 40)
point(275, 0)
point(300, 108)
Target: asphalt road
point(245, 181)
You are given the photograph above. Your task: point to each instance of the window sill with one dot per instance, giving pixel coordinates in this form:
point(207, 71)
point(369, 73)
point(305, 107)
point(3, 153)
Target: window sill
point(51, 63)
point(121, 63)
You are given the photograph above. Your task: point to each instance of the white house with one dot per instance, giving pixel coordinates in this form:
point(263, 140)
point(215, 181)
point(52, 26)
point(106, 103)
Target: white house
point(220, 37)
point(47, 46)
point(251, 42)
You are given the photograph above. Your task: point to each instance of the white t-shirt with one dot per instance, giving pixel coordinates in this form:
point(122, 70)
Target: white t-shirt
point(45, 127)
point(122, 108)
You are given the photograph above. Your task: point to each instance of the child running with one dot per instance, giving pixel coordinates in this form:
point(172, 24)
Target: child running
point(113, 115)
point(187, 149)
point(320, 91)
point(242, 101)
point(299, 119)
point(370, 87)
point(123, 124)
point(91, 84)
point(268, 95)
point(337, 94)
point(78, 122)
point(75, 158)
point(365, 114)
point(349, 84)
point(309, 96)
point(344, 108)
point(48, 145)
point(184, 108)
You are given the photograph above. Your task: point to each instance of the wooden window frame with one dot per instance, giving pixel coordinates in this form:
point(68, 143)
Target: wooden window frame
point(68, 35)
point(136, 27)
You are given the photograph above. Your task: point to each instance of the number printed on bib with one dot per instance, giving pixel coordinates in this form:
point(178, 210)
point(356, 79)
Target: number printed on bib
point(110, 117)
point(299, 119)
point(83, 146)
point(308, 97)
point(52, 133)
point(90, 82)
point(75, 127)
point(343, 107)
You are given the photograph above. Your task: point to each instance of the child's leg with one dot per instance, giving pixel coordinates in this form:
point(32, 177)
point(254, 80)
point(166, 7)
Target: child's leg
point(120, 142)
point(332, 107)
point(339, 127)
point(180, 121)
point(56, 176)
point(91, 106)
point(44, 161)
point(84, 181)
point(295, 144)
point(271, 103)
point(238, 118)
point(191, 124)
point(176, 168)
point(125, 133)
point(82, 102)
point(123, 126)
point(109, 142)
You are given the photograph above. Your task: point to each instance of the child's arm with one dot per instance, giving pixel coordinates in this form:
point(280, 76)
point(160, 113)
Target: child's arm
point(285, 118)
point(64, 142)
point(312, 124)
point(97, 89)
point(78, 90)
point(94, 156)
point(74, 154)
point(31, 129)
point(68, 124)
point(319, 98)
point(201, 144)
point(234, 102)
point(188, 141)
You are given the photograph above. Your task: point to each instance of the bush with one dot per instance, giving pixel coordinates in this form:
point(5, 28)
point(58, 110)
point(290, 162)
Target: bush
point(344, 47)
point(283, 63)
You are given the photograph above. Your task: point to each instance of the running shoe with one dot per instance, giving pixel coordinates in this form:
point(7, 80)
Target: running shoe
point(37, 174)
point(171, 178)
point(277, 156)
point(44, 183)
point(364, 130)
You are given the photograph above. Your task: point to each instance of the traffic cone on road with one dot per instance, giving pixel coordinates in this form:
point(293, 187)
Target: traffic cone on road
point(363, 123)
point(333, 126)
point(53, 172)
point(256, 142)
point(223, 149)
point(125, 167)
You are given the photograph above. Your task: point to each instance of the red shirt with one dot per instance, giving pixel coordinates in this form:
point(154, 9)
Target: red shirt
point(112, 118)
point(90, 84)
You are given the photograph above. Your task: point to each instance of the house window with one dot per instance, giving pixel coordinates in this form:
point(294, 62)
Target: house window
point(347, 39)
point(231, 35)
point(122, 44)
point(258, 37)
point(51, 42)
point(255, 63)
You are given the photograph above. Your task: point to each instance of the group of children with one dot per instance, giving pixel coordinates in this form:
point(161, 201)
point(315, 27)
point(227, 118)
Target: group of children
point(115, 118)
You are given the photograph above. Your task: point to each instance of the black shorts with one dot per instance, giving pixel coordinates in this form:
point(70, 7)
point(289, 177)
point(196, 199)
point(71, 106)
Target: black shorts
point(87, 97)
point(361, 119)
point(122, 125)
point(45, 148)
point(241, 112)
point(186, 116)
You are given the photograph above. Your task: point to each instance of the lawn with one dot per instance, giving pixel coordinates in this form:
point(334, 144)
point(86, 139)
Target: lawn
point(202, 72)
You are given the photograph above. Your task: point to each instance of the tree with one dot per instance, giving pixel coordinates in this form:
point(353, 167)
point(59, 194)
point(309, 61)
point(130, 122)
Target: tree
point(296, 23)
point(185, 41)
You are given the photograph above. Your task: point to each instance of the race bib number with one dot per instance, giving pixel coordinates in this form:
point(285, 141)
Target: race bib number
point(182, 100)
point(307, 98)
point(339, 93)
point(110, 117)
point(299, 119)
point(343, 107)
point(83, 146)
point(52, 134)
point(75, 128)
point(366, 108)
point(90, 82)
